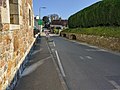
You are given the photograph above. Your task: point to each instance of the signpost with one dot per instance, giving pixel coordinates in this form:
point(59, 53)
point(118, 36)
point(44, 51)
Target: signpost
point(40, 22)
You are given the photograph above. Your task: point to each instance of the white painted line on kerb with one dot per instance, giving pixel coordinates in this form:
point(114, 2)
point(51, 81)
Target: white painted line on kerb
point(59, 63)
point(54, 44)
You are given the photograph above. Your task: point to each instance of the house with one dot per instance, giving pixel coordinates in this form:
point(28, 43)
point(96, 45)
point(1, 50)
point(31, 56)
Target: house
point(59, 23)
point(16, 39)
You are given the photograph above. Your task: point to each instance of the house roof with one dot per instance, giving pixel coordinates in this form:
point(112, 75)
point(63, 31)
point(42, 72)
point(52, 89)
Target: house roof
point(60, 22)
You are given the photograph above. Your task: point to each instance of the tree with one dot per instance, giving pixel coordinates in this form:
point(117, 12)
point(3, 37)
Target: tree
point(46, 21)
point(53, 17)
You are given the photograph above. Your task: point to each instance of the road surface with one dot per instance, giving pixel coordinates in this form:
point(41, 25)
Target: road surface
point(85, 67)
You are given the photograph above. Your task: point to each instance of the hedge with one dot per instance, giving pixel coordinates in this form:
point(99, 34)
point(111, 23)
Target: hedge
point(102, 13)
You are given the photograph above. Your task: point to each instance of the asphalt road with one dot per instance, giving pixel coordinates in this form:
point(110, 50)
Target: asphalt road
point(85, 67)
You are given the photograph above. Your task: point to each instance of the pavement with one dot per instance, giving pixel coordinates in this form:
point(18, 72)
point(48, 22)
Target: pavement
point(41, 72)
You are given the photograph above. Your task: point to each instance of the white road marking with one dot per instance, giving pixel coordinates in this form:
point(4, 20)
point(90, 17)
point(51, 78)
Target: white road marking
point(81, 57)
point(33, 67)
point(53, 49)
point(36, 51)
point(54, 35)
point(94, 50)
point(54, 44)
point(59, 63)
point(115, 85)
point(89, 57)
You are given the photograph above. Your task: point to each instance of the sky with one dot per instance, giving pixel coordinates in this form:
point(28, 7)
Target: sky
point(64, 8)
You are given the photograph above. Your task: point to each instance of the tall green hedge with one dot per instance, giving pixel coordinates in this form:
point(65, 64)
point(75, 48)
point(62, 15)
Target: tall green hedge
point(102, 13)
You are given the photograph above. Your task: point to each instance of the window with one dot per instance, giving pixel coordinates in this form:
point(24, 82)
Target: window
point(29, 17)
point(14, 12)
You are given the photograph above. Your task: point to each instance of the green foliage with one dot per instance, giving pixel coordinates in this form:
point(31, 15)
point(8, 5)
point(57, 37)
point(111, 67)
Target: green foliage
point(99, 31)
point(46, 19)
point(102, 13)
point(56, 31)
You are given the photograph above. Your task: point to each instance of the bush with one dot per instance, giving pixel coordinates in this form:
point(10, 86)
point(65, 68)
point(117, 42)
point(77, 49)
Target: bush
point(56, 31)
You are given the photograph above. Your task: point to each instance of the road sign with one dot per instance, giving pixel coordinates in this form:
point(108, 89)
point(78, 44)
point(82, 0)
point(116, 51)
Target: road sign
point(40, 22)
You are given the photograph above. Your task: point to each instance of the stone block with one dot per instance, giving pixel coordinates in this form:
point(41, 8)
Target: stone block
point(109, 43)
point(1, 27)
point(8, 39)
point(5, 17)
point(9, 68)
point(0, 2)
point(6, 27)
point(0, 37)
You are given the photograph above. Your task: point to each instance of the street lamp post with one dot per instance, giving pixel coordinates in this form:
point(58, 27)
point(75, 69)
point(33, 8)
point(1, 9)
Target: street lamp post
point(40, 11)
point(40, 17)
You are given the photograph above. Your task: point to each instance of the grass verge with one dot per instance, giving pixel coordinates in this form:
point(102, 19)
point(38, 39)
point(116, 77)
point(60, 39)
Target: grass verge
point(99, 31)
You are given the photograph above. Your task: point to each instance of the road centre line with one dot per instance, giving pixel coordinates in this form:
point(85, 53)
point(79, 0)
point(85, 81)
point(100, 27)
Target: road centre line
point(54, 44)
point(59, 63)
point(89, 57)
point(81, 57)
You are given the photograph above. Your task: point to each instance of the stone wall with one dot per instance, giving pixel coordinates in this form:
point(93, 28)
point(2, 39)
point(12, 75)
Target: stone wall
point(15, 39)
point(109, 43)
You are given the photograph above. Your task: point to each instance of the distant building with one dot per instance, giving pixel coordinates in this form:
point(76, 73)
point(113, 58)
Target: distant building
point(36, 19)
point(38, 23)
point(16, 37)
point(59, 23)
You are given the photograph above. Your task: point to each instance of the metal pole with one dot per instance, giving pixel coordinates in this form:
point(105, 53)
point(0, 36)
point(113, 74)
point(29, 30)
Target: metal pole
point(40, 11)
point(40, 16)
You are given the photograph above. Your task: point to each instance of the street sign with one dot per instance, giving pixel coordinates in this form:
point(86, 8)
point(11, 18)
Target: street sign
point(40, 22)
